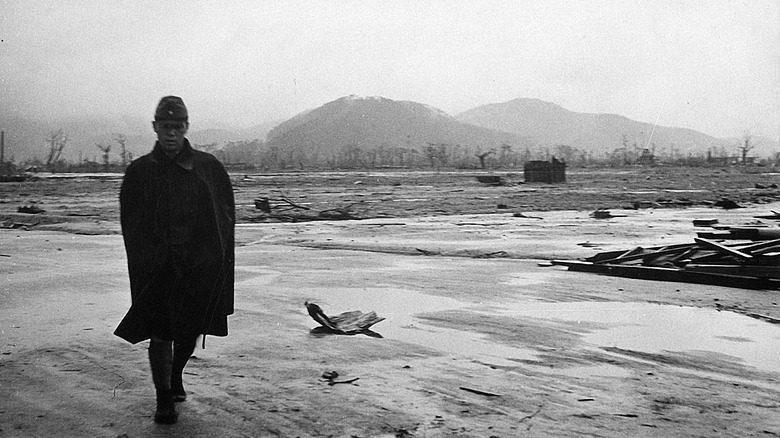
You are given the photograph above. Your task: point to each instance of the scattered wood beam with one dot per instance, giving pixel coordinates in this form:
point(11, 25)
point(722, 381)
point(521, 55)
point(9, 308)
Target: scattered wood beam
point(671, 274)
point(714, 245)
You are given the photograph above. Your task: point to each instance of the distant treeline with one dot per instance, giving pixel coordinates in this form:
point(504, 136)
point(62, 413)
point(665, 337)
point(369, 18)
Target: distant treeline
point(259, 155)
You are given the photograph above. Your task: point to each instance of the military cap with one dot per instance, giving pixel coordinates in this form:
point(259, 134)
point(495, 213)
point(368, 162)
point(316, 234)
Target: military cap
point(171, 108)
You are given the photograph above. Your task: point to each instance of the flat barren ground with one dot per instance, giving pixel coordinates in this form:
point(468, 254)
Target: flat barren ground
point(480, 338)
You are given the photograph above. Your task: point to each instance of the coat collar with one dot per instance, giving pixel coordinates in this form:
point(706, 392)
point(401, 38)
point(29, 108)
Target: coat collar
point(184, 159)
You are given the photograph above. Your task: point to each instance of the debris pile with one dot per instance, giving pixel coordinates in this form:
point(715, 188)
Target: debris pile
point(30, 209)
point(493, 180)
point(753, 263)
point(330, 377)
point(285, 210)
point(603, 213)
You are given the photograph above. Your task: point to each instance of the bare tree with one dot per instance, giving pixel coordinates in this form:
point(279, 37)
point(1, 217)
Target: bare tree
point(56, 142)
point(745, 147)
point(506, 153)
point(122, 140)
point(482, 157)
point(105, 149)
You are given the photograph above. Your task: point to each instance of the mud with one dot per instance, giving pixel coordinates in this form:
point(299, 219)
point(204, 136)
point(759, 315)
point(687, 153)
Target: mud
point(481, 338)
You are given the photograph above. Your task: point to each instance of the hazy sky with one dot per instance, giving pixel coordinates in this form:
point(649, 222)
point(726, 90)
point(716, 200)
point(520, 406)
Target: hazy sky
point(709, 65)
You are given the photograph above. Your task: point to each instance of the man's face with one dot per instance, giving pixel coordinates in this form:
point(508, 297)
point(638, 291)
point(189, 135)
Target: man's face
point(170, 134)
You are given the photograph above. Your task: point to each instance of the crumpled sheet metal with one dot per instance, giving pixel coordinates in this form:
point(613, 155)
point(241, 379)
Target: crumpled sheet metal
point(348, 323)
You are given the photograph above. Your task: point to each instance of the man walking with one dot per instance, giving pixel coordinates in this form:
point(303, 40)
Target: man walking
point(178, 220)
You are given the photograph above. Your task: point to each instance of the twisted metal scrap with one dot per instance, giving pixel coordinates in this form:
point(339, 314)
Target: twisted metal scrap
point(348, 323)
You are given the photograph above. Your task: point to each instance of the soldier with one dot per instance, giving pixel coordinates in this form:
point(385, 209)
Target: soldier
point(178, 220)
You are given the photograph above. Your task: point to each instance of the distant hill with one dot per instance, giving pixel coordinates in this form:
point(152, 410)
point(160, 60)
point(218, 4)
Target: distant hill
point(551, 125)
point(379, 125)
point(375, 122)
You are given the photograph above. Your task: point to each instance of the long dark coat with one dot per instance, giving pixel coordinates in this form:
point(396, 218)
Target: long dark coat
point(178, 213)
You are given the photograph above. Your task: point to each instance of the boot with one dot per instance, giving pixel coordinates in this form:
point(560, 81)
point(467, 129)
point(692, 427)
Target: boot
point(161, 362)
point(182, 351)
point(166, 410)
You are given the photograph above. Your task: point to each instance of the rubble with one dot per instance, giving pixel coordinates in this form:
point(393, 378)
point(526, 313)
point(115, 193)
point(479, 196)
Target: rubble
point(750, 260)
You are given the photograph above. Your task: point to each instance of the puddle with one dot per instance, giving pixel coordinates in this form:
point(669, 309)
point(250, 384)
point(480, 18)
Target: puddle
point(654, 328)
point(645, 327)
point(399, 307)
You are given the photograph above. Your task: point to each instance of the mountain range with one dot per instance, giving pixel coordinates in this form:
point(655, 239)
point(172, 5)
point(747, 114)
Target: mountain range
point(376, 122)
point(599, 134)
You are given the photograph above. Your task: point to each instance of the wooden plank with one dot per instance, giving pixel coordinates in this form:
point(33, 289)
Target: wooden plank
point(605, 255)
point(609, 255)
point(762, 247)
point(764, 317)
point(743, 233)
point(775, 216)
point(672, 249)
point(767, 233)
point(716, 235)
point(670, 274)
point(480, 392)
point(704, 222)
point(750, 247)
point(708, 256)
point(737, 269)
point(690, 252)
point(726, 249)
point(630, 252)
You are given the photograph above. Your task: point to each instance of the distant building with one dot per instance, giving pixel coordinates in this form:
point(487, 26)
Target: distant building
point(553, 171)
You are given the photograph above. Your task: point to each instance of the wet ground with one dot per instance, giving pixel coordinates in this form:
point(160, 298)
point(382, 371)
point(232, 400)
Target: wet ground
point(381, 194)
point(481, 338)
point(644, 327)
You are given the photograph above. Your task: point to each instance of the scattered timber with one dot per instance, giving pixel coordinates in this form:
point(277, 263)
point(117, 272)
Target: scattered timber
point(672, 274)
point(479, 391)
point(603, 213)
point(774, 216)
point(747, 264)
point(336, 382)
point(704, 222)
point(285, 210)
point(492, 180)
point(742, 233)
point(30, 209)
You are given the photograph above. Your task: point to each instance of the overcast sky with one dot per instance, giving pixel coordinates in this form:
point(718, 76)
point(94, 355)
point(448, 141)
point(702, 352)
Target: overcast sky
point(709, 65)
